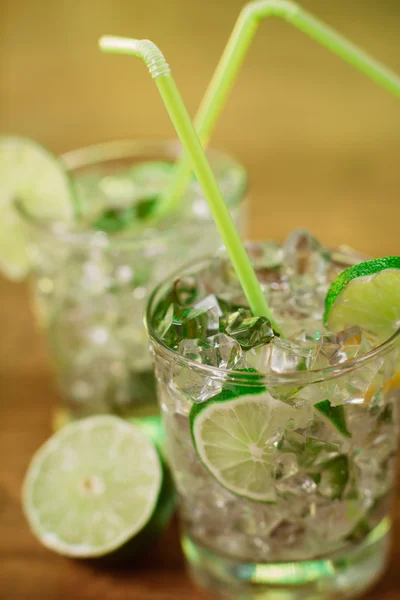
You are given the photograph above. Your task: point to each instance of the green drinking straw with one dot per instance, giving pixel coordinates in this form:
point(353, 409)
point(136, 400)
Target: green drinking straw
point(231, 60)
point(161, 73)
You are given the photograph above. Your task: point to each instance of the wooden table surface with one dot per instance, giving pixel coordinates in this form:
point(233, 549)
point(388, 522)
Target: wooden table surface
point(29, 571)
point(320, 141)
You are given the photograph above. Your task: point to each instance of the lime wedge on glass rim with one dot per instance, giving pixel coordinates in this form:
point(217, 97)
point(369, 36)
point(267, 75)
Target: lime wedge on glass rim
point(367, 295)
point(95, 487)
point(38, 181)
point(235, 435)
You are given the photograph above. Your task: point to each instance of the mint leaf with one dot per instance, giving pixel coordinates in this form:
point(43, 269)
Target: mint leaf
point(335, 414)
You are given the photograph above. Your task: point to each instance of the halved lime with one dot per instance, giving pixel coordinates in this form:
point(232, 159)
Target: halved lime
point(367, 295)
point(236, 439)
point(36, 179)
point(93, 486)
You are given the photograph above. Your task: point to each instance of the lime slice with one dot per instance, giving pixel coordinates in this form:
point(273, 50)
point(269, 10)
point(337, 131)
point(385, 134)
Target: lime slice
point(92, 486)
point(37, 179)
point(367, 295)
point(236, 439)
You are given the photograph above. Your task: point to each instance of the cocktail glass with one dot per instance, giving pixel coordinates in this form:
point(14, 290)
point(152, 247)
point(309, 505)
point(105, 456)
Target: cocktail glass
point(90, 287)
point(315, 523)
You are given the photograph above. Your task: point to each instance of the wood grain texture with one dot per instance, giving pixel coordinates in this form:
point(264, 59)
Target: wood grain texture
point(321, 144)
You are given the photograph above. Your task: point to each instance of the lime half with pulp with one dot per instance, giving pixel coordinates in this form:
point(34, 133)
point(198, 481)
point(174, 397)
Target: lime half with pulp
point(236, 439)
point(93, 486)
point(367, 295)
point(37, 180)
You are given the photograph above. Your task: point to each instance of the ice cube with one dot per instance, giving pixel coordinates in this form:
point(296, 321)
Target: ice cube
point(250, 331)
point(188, 323)
point(221, 279)
point(194, 385)
point(209, 302)
point(335, 348)
point(266, 255)
point(304, 256)
point(99, 335)
point(285, 466)
point(288, 533)
point(286, 357)
point(257, 358)
point(310, 451)
point(334, 520)
point(376, 460)
point(94, 275)
point(223, 351)
point(296, 485)
point(219, 351)
point(352, 386)
point(124, 274)
point(119, 189)
point(333, 478)
point(185, 290)
point(307, 301)
point(90, 196)
point(232, 314)
point(318, 451)
point(197, 322)
point(153, 175)
point(192, 349)
point(254, 520)
point(236, 317)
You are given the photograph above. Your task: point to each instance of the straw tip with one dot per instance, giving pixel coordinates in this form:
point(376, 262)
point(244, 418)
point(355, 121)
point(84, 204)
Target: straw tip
point(112, 43)
point(106, 42)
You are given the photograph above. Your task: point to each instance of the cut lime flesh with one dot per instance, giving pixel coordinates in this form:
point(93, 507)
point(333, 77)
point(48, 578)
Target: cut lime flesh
point(236, 440)
point(151, 425)
point(367, 295)
point(38, 181)
point(92, 486)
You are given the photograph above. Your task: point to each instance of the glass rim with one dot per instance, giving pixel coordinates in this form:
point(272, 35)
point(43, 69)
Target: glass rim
point(245, 378)
point(92, 154)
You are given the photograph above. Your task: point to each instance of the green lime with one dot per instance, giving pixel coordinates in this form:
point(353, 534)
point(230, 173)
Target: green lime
point(367, 295)
point(38, 181)
point(236, 436)
point(95, 485)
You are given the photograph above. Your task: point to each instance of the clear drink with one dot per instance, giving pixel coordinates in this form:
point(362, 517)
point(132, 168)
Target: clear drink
point(91, 281)
point(282, 451)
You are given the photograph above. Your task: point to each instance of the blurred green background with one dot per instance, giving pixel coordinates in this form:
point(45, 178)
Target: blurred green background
point(321, 142)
